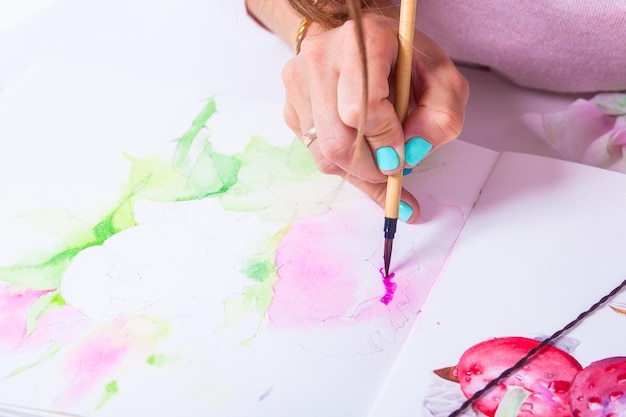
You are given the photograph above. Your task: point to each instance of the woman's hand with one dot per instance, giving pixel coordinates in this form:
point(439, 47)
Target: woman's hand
point(324, 89)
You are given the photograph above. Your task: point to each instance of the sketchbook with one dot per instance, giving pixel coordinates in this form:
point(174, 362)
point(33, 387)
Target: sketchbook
point(166, 252)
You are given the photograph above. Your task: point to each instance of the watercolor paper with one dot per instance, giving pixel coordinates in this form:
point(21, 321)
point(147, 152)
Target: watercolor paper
point(543, 244)
point(169, 253)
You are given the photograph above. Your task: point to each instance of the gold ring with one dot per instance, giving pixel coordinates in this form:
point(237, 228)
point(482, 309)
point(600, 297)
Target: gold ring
point(304, 25)
point(309, 136)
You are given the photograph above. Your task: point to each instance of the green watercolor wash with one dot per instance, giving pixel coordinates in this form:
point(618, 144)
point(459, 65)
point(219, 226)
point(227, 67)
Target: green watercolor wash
point(155, 328)
point(255, 298)
point(254, 180)
point(149, 327)
point(120, 219)
point(49, 355)
point(260, 268)
point(40, 276)
point(161, 360)
point(265, 174)
point(263, 296)
point(110, 390)
point(211, 173)
point(183, 147)
point(46, 275)
point(258, 264)
point(40, 307)
point(155, 179)
point(185, 178)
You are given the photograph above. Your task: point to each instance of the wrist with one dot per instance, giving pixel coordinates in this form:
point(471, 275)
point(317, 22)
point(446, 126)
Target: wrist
point(277, 16)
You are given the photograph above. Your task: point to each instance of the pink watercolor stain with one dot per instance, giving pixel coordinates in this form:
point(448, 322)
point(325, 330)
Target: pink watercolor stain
point(108, 351)
point(56, 326)
point(96, 359)
point(328, 271)
point(14, 305)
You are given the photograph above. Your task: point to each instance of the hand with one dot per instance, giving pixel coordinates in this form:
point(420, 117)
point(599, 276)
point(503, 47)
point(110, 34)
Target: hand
point(324, 88)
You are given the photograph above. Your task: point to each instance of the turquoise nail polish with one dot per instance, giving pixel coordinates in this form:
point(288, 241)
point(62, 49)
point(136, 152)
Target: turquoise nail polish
point(387, 158)
point(416, 149)
point(405, 212)
point(407, 171)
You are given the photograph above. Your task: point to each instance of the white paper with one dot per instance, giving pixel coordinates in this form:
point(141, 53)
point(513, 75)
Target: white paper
point(260, 298)
point(543, 244)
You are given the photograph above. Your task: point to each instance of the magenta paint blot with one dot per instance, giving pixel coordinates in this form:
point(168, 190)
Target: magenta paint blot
point(390, 287)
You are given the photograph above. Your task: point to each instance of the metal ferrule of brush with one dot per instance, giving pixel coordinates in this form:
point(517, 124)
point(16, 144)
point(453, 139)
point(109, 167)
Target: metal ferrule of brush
point(390, 227)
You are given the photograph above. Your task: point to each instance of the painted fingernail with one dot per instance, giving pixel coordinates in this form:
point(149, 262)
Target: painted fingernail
point(416, 149)
point(387, 158)
point(405, 212)
point(407, 171)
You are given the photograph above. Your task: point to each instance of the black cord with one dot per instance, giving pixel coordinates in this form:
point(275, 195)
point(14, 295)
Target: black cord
point(534, 350)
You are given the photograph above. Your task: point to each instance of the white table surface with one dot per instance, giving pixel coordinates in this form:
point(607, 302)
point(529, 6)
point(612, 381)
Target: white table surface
point(213, 46)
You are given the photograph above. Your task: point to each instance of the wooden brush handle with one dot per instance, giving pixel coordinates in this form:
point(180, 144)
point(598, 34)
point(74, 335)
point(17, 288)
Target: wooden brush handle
point(406, 31)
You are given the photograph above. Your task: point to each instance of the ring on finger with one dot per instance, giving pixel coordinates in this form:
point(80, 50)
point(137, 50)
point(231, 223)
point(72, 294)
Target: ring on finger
point(309, 136)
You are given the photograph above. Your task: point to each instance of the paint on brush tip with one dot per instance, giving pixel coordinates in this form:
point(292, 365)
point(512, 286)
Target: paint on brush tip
point(390, 287)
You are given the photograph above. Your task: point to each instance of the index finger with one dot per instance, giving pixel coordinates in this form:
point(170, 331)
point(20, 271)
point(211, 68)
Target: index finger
point(382, 128)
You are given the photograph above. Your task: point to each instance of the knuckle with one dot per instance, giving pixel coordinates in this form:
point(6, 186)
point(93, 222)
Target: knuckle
point(449, 120)
point(334, 152)
point(327, 167)
point(449, 124)
point(351, 112)
point(378, 118)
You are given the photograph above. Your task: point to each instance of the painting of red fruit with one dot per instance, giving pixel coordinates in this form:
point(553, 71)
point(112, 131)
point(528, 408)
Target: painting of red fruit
point(599, 390)
point(547, 376)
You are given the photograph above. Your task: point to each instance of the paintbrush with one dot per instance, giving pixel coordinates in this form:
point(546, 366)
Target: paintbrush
point(9, 410)
point(406, 30)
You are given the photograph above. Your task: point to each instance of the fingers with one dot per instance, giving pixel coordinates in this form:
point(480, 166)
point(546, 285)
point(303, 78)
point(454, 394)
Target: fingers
point(338, 143)
point(337, 93)
point(439, 96)
point(324, 89)
point(382, 128)
point(311, 100)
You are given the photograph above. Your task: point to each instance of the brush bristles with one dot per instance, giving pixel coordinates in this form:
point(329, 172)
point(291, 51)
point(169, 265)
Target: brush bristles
point(387, 255)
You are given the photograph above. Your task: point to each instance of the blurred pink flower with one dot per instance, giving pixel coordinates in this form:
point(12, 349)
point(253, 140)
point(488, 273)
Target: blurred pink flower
point(591, 132)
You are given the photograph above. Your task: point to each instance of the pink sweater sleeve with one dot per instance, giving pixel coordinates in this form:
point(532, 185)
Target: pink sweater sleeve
point(557, 45)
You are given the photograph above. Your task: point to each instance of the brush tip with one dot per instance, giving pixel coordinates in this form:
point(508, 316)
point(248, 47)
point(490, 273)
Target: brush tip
point(387, 255)
point(390, 230)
